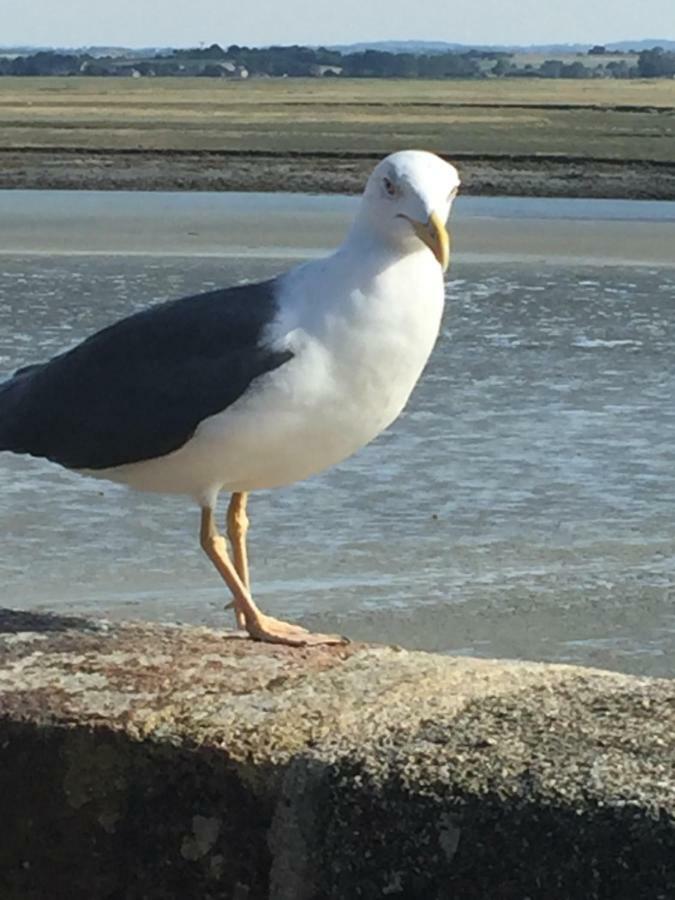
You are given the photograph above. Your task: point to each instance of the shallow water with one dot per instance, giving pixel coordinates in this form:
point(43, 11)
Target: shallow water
point(523, 506)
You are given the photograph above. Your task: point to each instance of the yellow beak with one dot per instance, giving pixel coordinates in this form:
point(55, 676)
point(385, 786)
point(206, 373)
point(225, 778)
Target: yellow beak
point(436, 237)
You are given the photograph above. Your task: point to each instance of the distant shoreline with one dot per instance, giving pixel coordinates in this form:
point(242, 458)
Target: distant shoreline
point(306, 172)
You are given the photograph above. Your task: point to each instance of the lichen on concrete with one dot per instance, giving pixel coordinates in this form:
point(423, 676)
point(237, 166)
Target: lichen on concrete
point(149, 761)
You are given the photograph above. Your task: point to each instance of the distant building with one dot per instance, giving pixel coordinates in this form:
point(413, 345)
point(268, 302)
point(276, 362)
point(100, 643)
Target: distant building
point(229, 69)
point(321, 71)
point(126, 72)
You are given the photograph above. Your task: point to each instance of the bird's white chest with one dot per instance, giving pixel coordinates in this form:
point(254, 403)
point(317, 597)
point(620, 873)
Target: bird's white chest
point(358, 355)
point(374, 354)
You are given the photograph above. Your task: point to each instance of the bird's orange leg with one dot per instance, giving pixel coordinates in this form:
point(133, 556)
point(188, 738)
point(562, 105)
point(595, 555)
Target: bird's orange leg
point(258, 625)
point(237, 526)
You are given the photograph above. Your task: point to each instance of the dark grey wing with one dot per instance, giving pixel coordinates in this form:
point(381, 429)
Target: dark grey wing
point(139, 389)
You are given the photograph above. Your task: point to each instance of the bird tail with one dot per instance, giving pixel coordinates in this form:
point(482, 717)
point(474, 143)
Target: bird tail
point(11, 392)
point(7, 398)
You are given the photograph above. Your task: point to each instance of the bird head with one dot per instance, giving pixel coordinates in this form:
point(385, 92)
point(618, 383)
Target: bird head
point(407, 200)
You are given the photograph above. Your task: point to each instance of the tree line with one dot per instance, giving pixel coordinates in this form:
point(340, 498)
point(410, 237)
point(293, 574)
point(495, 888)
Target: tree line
point(299, 61)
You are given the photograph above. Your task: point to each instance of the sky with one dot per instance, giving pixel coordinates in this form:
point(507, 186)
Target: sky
point(135, 23)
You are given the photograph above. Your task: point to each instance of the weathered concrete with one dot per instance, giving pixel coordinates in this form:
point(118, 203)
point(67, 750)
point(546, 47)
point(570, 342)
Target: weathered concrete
point(139, 761)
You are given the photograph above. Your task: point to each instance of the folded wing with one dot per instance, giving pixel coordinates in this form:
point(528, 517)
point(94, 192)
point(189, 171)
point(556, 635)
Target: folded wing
point(139, 388)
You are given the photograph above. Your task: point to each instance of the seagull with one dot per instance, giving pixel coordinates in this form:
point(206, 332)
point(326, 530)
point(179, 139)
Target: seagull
point(258, 385)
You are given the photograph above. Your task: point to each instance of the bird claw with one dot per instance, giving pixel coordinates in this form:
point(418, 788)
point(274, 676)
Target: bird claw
point(238, 635)
point(274, 631)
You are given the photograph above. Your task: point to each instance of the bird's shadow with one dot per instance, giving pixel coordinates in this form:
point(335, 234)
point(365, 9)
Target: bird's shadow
point(13, 621)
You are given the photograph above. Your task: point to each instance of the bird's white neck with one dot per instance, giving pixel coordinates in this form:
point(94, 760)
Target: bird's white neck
point(370, 241)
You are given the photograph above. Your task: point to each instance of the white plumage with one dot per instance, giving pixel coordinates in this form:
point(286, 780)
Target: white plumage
point(361, 324)
point(361, 328)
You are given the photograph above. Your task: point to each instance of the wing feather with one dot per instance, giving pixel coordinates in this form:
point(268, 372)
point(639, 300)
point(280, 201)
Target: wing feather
point(139, 388)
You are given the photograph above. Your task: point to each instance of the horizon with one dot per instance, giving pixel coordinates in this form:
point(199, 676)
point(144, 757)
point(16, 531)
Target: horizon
point(149, 23)
point(357, 42)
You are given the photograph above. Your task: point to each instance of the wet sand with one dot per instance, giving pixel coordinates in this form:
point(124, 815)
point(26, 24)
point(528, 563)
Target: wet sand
point(282, 226)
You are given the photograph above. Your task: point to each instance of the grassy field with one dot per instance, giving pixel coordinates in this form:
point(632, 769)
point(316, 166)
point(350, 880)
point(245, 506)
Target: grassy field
point(600, 119)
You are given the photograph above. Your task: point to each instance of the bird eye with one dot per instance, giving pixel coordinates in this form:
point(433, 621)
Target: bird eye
point(389, 186)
